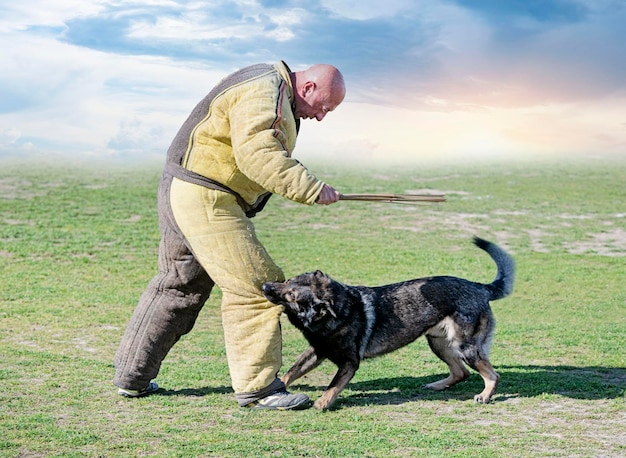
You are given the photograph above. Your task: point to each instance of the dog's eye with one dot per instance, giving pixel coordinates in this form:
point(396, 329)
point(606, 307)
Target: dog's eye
point(289, 296)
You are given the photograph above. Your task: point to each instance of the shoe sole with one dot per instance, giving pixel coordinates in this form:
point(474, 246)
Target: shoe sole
point(302, 406)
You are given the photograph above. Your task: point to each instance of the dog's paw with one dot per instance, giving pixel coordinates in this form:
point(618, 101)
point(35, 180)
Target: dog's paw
point(480, 399)
point(320, 405)
point(436, 386)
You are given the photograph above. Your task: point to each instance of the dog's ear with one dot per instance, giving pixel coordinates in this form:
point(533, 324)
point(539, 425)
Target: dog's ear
point(319, 274)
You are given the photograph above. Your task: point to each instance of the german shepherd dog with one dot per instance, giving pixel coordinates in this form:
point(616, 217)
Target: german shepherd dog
point(349, 323)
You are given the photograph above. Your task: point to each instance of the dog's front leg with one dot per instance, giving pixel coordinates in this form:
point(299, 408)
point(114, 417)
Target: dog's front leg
point(307, 361)
point(339, 382)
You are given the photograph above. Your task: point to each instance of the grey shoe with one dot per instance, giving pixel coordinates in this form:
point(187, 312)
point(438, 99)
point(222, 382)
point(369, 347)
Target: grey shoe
point(151, 388)
point(281, 400)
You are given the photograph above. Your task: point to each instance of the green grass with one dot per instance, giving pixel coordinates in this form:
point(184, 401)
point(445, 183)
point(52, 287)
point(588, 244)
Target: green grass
point(78, 246)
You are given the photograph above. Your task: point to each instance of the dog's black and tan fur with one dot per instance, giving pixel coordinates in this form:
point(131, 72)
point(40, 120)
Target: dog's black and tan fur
point(349, 323)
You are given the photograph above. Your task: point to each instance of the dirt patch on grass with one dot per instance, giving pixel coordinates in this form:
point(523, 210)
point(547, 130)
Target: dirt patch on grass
point(604, 237)
point(14, 188)
point(133, 219)
point(610, 243)
point(427, 191)
point(592, 423)
point(17, 222)
point(467, 223)
point(536, 236)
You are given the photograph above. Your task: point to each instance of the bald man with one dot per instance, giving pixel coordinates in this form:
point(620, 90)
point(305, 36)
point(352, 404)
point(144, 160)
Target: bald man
point(233, 151)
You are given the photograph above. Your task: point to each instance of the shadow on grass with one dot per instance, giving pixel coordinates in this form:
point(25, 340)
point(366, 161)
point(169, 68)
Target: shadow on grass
point(205, 391)
point(589, 383)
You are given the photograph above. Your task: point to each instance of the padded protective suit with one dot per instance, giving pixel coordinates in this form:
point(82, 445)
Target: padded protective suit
point(240, 135)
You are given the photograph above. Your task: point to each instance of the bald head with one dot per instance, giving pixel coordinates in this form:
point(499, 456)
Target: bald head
point(329, 77)
point(318, 90)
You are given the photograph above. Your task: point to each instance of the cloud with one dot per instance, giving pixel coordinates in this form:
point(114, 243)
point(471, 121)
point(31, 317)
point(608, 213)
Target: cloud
point(363, 10)
point(466, 53)
point(118, 78)
point(548, 12)
point(74, 99)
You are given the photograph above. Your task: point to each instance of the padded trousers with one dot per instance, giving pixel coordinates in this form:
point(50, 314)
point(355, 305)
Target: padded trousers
point(206, 239)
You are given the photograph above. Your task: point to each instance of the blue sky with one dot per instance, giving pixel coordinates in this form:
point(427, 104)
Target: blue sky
point(448, 79)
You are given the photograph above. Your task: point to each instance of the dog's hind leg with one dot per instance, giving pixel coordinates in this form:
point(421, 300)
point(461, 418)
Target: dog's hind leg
point(491, 378)
point(476, 355)
point(458, 372)
point(307, 361)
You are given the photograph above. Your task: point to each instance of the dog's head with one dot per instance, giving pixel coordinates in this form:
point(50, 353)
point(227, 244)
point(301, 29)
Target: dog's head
point(308, 298)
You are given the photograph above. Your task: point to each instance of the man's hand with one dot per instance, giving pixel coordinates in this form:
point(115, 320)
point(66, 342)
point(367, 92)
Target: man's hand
point(329, 195)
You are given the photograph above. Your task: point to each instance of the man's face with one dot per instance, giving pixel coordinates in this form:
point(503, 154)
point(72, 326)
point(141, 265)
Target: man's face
point(315, 102)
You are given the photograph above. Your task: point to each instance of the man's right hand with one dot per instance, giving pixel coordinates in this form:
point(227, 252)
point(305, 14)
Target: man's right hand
point(329, 195)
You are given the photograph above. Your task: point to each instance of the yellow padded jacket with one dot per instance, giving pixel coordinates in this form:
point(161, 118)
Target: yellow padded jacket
point(242, 135)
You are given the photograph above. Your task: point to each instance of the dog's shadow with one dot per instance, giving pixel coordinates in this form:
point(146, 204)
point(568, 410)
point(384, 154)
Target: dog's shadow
point(515, 382)
point(589, 383)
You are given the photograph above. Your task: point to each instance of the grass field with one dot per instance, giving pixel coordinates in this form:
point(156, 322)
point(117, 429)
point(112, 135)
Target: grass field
point(78, 246)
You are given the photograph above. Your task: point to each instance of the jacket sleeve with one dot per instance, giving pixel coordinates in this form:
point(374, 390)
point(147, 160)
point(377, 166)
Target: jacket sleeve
point(262, 128)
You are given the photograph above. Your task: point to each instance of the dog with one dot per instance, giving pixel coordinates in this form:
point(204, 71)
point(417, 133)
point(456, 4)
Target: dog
point(347, 324)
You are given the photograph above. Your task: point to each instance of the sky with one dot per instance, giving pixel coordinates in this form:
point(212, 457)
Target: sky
point(449, 79)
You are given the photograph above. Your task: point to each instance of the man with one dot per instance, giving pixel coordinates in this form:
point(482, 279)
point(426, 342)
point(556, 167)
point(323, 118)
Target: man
point(231, 153)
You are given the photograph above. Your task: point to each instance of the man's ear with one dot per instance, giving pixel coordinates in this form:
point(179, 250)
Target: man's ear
point(308, 88)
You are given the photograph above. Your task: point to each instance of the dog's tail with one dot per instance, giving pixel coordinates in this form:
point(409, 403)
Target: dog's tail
point(502, 286)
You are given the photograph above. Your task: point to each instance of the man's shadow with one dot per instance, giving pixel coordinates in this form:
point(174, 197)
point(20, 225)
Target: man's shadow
point(196, 392)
